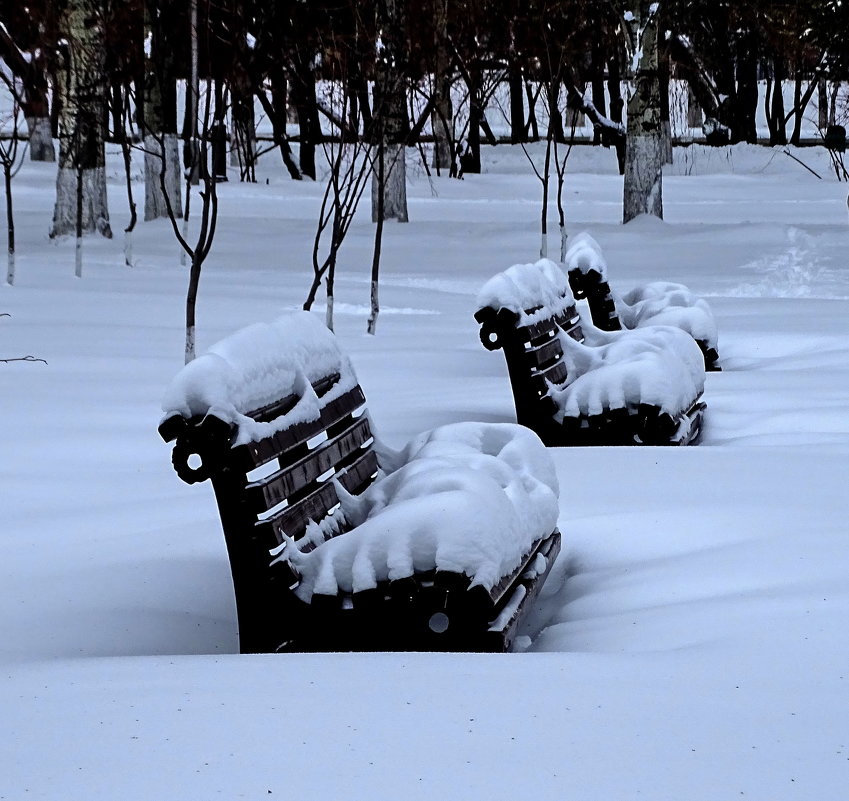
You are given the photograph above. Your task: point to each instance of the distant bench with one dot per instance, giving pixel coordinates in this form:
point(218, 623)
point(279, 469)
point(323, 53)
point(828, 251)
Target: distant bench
point(329, 548)
point(655, 303)
point(610, 388)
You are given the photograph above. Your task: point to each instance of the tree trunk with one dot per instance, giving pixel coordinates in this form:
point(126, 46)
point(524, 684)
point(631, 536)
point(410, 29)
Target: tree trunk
point(82, 122)
point(597, 85)
point(745, 128)
point(10, 224)
point(243, 150)
point(517, 103)
point(442, 118)
point(643, 184)
point(777, 130)
point(822, 103)
point(303, 91)
point(159, 132)
point(393, 123)
point(617, 105)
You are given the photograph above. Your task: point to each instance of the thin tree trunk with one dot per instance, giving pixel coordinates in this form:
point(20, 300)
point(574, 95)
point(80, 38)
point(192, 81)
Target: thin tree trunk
point(10, 224)
point(617, 106)
point(517, 103)
point(374, 304)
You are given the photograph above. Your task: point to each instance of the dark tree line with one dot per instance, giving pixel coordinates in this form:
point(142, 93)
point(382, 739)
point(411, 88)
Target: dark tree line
point(275, 53)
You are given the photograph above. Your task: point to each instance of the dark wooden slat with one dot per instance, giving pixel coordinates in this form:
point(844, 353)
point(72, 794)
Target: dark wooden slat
point(272, 490)
point(279, 407)
point(556, 374)
point(248, 456)
point(545, 355)
point(293, 519)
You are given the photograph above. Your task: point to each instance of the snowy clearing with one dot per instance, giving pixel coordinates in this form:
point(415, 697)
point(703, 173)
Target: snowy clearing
point(690, 643)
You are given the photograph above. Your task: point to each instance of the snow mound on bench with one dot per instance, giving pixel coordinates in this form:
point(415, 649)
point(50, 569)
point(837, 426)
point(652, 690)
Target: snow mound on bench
point(469, 498)
point(655, 303)
point(665, 303)
point(661, 366)
point(256, 366)
point(584, 254)
point(524, 287)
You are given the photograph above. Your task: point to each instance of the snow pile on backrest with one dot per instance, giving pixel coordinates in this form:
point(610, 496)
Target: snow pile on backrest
point(661, 366)
point(664, 303)
point(259, 365)
point(523, 287)
point(584, 254)
point(469, 498)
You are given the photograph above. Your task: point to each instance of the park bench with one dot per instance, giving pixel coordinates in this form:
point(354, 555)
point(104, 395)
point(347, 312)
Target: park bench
point(337, 544)
point(655, 303)
point(576, 385)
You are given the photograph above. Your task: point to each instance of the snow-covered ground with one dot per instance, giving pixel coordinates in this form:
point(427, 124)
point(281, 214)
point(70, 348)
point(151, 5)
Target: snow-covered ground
point(691, 642)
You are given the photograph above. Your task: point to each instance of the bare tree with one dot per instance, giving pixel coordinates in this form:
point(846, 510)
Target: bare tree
point(349, 166)
point(8, 156)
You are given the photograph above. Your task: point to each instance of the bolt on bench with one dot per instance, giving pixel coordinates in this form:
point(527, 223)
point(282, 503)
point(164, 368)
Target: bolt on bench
point(574, 384)
point(336, 544)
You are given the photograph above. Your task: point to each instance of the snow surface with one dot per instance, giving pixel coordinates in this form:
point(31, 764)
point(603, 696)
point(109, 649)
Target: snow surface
point(691, 641)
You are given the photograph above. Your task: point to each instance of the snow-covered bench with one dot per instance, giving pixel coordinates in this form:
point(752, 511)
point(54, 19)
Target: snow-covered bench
point(338, 544)
point(574, 384)
point(655, 303)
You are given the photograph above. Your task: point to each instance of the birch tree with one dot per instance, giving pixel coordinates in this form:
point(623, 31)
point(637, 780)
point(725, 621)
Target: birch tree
point(81, 203)
point(160, 141)
point(643, 183)
point(391, 112)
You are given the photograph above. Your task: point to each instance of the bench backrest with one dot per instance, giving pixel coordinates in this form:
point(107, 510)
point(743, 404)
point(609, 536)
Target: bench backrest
point(531, 343)
point(275, 470)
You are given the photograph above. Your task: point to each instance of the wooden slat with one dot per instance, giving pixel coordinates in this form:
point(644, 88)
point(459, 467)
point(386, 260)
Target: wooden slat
point(315, 506)
point(272, 490)
point(545, 355)
point(279, 407)
point(556, 374)
point(248, 456)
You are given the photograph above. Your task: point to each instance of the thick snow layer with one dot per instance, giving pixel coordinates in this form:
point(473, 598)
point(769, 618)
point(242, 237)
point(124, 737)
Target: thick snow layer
point(690, 642)
point(523, 288)
point(584, 254)
point(666, 303)
point(468, 498)
point(661, 366)
point(258, 365)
